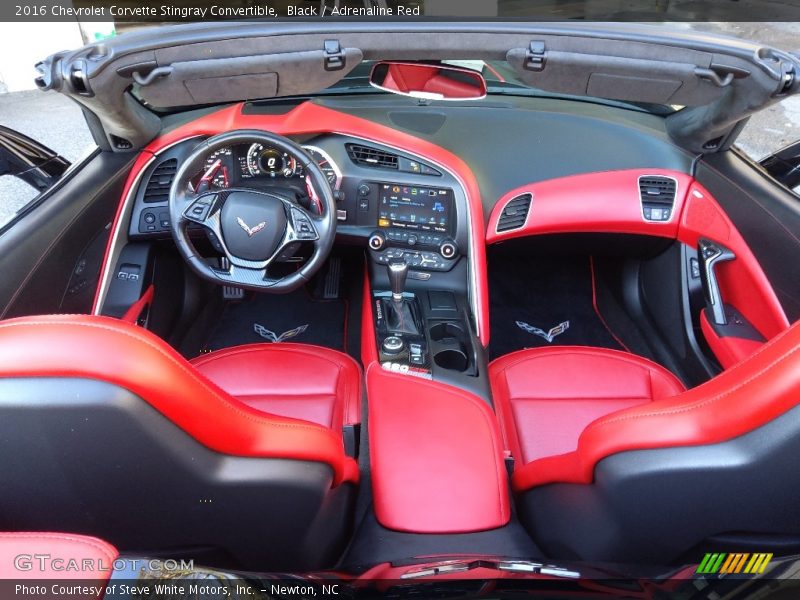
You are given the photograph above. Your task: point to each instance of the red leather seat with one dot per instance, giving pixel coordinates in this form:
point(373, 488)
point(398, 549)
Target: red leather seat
point(545, 397)
point(291, 380)
point(615, 463)
point(27, 555)
point(249, 439)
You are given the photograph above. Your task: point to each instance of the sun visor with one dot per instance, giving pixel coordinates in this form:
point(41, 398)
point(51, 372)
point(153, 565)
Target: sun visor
point(630, 78)
point(233, 79)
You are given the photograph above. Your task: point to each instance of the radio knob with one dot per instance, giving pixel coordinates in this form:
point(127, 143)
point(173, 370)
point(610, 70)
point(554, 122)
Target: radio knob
point(377, 240)
point(448, 249)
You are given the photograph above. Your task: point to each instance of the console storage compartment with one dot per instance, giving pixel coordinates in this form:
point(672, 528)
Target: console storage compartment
point(436, 456)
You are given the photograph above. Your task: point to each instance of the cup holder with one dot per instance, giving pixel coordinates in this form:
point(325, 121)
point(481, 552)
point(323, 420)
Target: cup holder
point(453, 359)
point(450, 346)
point(446, 331)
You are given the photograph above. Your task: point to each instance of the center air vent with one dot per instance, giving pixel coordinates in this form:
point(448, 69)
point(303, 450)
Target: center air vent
point(372, 157)
point(657, 195)
point(157, 189)
point(514, 213)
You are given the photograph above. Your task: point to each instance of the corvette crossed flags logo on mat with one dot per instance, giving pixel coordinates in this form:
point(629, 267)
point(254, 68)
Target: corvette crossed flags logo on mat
point(549, 336)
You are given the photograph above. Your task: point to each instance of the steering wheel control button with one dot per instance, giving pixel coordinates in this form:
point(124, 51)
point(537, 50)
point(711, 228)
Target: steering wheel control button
point(303, 228)
point(199, 210)
point(392, 345)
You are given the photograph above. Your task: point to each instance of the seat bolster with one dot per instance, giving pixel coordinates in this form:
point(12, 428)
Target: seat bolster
point(747, 396)
point(94, 556)
point(106, 349)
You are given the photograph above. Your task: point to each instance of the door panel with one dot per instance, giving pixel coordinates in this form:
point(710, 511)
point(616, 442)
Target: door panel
point(766, 214)
point(49, 257)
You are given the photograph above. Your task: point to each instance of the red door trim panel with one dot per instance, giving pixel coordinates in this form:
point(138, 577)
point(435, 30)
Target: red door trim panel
point(436, 457)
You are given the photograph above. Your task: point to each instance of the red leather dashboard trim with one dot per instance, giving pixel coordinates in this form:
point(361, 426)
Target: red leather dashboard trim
point(742, 281)
point(57, 550)
point(746, 396)
point(436, 457)
point(111, 350)
point(309, 118)
point(606, 201)
point(728, 350)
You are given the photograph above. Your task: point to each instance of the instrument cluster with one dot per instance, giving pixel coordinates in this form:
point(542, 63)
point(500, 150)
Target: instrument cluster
point(247, 164)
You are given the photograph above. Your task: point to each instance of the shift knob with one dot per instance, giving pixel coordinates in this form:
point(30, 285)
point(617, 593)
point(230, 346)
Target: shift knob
point(398, 270)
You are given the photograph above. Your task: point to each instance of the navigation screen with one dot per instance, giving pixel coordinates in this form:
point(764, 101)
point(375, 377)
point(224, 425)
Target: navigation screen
point(413, 207)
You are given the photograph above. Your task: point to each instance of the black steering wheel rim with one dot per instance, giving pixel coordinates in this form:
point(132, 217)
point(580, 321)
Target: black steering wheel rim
point(300, 225)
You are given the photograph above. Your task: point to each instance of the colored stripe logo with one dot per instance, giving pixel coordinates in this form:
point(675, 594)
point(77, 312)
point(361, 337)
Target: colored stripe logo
point(735, 562)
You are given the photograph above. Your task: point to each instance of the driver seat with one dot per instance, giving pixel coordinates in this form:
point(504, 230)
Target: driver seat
point(236, 459)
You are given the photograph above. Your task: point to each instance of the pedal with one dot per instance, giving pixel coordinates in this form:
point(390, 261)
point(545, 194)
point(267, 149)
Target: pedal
point(333, 279)
point(230, 292)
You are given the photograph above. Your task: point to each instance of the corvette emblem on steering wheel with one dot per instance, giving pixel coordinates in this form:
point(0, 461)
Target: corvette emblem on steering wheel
point(250, 231)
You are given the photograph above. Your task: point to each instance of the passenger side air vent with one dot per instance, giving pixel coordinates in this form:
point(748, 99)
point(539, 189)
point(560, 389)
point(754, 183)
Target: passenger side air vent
point(157, 189)
point(657, 195)
point(515, 213)
point(372, 157)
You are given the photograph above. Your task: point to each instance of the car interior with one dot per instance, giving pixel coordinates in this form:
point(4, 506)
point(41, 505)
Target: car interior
point(330, 300)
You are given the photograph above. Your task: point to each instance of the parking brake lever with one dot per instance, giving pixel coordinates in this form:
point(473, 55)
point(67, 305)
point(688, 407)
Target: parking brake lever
point(709, 254)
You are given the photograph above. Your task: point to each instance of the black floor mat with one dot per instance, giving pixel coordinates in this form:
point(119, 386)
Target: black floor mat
point(294, 317)
point(543, 301)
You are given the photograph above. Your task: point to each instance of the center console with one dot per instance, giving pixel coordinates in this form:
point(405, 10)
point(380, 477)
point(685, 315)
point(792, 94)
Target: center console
point(419, 280)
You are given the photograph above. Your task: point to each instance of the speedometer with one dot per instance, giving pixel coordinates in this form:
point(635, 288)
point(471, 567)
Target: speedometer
point(329, 168)
point(264, 160)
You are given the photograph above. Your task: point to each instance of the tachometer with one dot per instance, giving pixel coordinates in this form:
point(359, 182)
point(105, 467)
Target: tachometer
point(262, 160)
point(218, 168)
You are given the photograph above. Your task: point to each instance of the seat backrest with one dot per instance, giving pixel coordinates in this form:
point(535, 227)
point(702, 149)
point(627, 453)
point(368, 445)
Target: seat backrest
point(105, 430)
point(649, 482)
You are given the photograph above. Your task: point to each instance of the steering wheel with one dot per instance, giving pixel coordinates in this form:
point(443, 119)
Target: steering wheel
point(254, 229)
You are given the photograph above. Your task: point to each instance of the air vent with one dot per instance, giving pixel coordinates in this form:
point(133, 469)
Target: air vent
point(657, 195)
point(372, 157)
point(514, 213)
point(160, 181)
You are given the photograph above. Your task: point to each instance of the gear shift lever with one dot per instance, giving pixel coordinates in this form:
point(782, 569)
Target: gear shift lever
point(398, 271)
point(400, 312)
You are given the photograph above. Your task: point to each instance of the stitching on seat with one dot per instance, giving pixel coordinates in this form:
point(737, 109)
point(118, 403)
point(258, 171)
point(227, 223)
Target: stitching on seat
point(701, 403)
point(224, 402)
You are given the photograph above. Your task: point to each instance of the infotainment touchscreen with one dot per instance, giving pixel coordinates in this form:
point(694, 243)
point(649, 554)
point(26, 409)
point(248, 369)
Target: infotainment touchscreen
point(414, 207)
